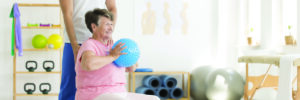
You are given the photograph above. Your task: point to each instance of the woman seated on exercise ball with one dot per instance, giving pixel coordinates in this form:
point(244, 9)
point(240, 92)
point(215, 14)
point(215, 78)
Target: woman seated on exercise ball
point(97, 77)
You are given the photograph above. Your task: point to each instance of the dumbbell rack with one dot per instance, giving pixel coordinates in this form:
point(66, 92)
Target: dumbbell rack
point(185, 77)
point(37, 50)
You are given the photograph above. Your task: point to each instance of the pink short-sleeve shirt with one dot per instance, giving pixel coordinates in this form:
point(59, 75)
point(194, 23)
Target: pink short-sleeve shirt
point(107, 79)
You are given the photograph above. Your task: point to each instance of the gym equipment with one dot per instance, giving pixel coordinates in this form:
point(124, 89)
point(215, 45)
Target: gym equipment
point(48, 68)
point(55, 40)
point(32, 25)
point(176, 93)
point(198, 85)
point(50, 46)
point(143, 70)
point(29, 91)
point(168, 81)
point(132, 56)
point(39, 41)
point(145, 90)
point(162, 93)
point(45, 25)
point(46, 90)
point(151, 81)
point(150, 78)
point(31, 68)
point(225, 83)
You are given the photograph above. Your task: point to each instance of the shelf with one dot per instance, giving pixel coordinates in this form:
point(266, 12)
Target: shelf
point(57, 27)
point(37, 5)
point(37, 27)
point(38, 72)
point(45, 49)
point(37, 94)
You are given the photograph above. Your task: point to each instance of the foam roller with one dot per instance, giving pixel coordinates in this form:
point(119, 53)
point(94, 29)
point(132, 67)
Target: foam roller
point(176, 93)
point(162, 93)
point(145, 90)
point(151, 81)
point(168, 81)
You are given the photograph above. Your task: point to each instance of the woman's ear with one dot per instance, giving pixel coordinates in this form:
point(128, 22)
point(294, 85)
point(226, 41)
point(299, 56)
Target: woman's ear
point(94, 26)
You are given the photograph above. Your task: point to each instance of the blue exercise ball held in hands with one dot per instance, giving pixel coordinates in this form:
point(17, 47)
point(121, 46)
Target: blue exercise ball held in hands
point(132, 53)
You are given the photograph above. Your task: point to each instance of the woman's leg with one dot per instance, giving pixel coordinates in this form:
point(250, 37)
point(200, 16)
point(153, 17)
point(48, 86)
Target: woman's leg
point(112, 96)
point(126, 96)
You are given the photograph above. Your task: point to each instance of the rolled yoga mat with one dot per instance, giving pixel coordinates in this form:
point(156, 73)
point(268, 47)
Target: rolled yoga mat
point(151, 81)
point(145, 90)
point(176, 93)
point(162, 93)
point(168, 81)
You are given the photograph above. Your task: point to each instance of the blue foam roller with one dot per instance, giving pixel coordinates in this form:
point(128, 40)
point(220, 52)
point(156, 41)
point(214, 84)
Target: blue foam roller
point(162, 93)
point(132, 56)
point(145, 90)
point(143, 70)
point(151, 81)
point(176, 93)
point(168, 81)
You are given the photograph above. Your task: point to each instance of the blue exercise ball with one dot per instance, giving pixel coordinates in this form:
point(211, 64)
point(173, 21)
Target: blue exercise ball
point(132, 56)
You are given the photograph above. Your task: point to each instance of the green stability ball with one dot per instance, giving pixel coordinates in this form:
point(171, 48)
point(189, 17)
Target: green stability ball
point(39, 41)
point(224, 84)
point(198, 84)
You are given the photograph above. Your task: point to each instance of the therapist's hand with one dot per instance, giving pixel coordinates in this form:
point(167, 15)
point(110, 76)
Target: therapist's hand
point(75, 51)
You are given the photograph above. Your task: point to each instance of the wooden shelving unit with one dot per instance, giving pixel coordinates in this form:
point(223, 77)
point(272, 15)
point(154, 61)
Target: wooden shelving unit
point(37, 94)
point(37, 5)
point(15, 94)
point(132, 81)
point(37, 27)
point(38, 72)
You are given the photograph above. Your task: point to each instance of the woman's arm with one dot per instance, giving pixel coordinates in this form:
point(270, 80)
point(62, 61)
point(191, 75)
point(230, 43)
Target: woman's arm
point(90, 61)
point(67, 10)
point(111, 6)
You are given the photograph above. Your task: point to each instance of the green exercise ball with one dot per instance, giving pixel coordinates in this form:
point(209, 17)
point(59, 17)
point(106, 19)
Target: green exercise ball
point(39, 41)
point(198, 85)
point(225, 84)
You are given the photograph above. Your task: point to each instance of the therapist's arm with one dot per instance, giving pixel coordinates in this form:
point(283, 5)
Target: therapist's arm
point(67, 10)
point(111, 6)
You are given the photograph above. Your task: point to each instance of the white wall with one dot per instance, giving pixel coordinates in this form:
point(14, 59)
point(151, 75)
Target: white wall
point(5, 57)
point(174, 52)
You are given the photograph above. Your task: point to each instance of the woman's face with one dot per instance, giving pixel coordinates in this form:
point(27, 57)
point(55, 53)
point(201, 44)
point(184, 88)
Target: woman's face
point(104, 28)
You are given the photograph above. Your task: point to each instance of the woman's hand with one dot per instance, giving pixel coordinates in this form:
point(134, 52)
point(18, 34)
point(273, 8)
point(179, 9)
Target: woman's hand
point(132, 68)
point(110, 42)
point(116, 52)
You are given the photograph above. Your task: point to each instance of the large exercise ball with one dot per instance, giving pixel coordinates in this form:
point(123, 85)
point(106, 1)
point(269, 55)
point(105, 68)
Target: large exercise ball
point(55, 41)
point(198, 85)
point(225, 84)
point(39, 41)
point(132, 56)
